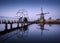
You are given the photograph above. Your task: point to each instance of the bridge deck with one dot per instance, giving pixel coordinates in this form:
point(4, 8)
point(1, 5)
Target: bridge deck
point(10, 30)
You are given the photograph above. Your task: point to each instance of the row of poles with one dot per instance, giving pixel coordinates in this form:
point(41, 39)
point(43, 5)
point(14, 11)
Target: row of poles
point(25, 21)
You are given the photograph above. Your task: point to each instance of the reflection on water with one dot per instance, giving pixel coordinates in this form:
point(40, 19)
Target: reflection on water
point(42, 28)
point(22, 32)
point(33, 33)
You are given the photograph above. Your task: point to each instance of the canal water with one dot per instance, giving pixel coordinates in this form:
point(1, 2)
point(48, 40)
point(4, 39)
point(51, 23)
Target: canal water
point(49, 33)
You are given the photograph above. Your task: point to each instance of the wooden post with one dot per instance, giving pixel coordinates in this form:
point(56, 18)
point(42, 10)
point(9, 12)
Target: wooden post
point(11, 26)
point(6, 26)
point(22, 24)
point(0, 21)
point(17, 24)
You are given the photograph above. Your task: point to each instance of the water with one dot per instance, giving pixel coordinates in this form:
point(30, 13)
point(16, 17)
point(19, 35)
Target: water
point(49, 33)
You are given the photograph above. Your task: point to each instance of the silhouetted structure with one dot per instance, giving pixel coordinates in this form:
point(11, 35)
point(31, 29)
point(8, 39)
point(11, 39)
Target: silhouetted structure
point(42, 19)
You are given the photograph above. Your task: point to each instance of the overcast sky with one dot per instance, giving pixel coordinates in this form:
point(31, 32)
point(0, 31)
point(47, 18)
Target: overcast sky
point(10, 7)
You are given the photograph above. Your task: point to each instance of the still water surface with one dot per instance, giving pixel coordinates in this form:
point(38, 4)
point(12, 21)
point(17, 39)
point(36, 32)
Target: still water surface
point(32, 33)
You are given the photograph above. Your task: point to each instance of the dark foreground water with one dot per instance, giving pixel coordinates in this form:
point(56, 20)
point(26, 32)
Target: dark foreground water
point(33, 33)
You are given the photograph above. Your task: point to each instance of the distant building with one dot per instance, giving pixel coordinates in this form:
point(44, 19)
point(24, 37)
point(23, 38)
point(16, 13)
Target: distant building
point(57, 19)
point(50, 18)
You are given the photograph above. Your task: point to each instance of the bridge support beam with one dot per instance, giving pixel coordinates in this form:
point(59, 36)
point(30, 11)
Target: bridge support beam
point(0, 21)
point(11, 26)
point(6, 26)
point(22, 24)
point(17, 24)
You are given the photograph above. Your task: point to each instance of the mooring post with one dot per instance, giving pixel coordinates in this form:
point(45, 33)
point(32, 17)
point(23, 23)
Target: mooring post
point(6, 26)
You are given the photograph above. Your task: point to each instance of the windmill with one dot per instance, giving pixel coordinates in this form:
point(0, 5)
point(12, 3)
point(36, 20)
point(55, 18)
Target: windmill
point(42, 19)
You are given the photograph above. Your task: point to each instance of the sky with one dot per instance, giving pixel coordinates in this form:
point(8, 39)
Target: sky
point(9, 8)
